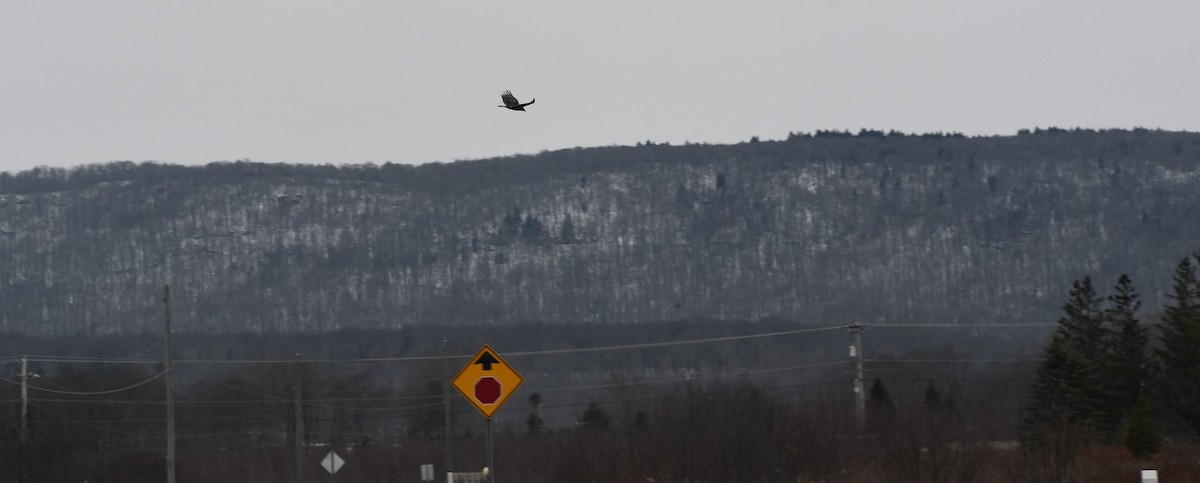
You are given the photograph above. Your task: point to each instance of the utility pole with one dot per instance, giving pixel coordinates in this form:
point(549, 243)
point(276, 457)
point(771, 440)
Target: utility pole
point(298, 394)
point(447, 432)
point(170, 389)
point(23, 449)
point(24, 401)
point(860, 401)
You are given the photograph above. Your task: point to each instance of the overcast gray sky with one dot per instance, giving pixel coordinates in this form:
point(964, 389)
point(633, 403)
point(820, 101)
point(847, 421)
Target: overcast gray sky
point(308, 81)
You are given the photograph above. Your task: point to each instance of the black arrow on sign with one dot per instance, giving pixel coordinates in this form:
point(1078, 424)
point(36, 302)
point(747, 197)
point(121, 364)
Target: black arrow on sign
point(487, 359)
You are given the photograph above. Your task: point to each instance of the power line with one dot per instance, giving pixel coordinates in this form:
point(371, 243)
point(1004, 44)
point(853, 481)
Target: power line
point(132, 358)
point(342, 403)
point(272, 399)
point(693, 378)
point(268, 417)
point(946, 361)
point(965, 326)
point(646, 345)
point(192, 434)
point(670, 343)
point(960, 369)
point(73, 421)
point(100, 393)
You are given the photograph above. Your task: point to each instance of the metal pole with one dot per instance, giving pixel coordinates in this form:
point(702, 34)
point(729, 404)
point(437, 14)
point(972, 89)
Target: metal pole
point(447, 431)
point(491, 470)
point(170, 389)
point(860, 401)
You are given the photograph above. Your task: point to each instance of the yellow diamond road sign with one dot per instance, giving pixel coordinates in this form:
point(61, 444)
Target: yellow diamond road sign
point(487, 381)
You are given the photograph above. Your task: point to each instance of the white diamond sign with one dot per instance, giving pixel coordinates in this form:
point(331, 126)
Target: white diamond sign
point(332, 462)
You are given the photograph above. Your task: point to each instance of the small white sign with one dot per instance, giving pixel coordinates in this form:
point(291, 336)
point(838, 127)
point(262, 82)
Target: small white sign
point(332, 462)
point(426, 472)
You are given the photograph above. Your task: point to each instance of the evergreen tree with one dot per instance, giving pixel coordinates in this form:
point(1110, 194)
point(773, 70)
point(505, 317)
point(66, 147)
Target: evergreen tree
point(1083, 328)
point(879, 396)
point(1067, 400)
point(1142, 435)
point(512, 223)
point(881, 413)
point(1084, 320)
point(641, 423)
point(510, 228)
point(1178, 384)
point(567, 234)
point(1060, 417)
point(534, 423)
point(1127, 365)
point(933, 398)
point(532, 228)
point(1060, 395)
point(595, 417)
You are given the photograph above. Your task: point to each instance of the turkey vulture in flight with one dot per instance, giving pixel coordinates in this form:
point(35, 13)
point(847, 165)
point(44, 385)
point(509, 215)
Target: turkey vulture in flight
point(512, 102)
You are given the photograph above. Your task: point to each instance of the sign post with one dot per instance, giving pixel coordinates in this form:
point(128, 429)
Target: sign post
point(487, 382)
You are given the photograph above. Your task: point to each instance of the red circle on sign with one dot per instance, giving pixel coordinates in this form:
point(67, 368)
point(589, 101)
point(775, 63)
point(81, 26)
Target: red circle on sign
point(487, 390)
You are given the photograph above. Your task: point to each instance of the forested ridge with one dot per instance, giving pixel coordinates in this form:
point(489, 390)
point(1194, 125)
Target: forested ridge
point(323, 308)
point(826, 228)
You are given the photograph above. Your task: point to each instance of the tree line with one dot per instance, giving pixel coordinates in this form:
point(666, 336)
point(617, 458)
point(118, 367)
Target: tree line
point(949, 229)
point(1106, 378)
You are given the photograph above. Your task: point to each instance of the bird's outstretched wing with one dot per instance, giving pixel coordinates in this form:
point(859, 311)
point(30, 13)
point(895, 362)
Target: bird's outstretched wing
point(510, 100)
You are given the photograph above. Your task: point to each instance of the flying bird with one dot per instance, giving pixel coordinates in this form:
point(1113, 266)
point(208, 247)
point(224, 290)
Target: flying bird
point(511, 102)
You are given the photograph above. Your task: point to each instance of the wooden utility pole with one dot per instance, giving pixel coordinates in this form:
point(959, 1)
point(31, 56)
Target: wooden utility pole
point(860, 401)
point(298, 394)
point(23, 449)
point(447, 432)
point(170, 388)
point(24, 401)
